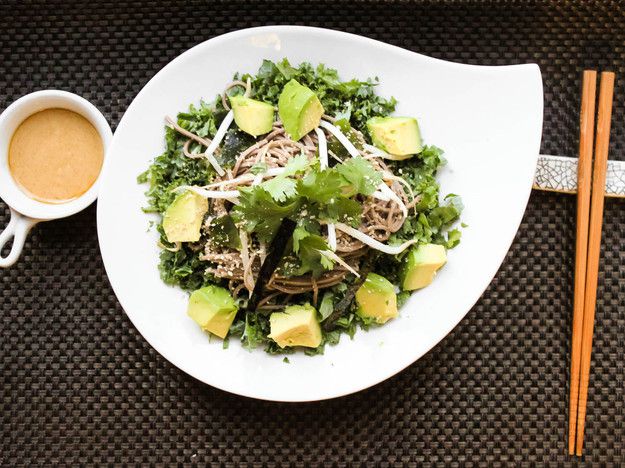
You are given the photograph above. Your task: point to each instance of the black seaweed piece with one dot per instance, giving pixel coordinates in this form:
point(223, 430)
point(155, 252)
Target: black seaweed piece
point(348, 298)
point(235, 142)
point(274, 256)
point(223, 233)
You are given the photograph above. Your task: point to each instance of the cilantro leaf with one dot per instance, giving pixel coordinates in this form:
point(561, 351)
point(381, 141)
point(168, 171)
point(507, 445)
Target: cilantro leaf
point(296, 164)
point(280, 188)
point(344, 210)
point(360, 174)
point(321, 186)
point(260, 213)
point(325, 200)
point(307, 247)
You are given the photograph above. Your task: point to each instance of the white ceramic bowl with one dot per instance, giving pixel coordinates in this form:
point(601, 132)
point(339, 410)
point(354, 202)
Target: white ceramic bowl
point(25, 211)
point(488, 119)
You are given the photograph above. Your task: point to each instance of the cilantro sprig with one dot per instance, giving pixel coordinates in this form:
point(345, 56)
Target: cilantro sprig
point(283, 186)
point(307, 194)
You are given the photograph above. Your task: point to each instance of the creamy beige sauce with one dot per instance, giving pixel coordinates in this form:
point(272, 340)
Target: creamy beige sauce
point(55, 155)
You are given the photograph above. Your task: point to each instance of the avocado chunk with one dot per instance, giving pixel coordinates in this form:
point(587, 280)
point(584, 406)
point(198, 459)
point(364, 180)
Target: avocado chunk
point(399, 136)
point(296, 326)
point(252, 116)
point(213, 309)
point(376, 299)
point(182, 219)
point(421, 265)
point(300, 109)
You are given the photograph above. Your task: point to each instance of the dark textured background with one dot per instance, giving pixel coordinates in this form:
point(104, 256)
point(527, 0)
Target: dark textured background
point(78, 384)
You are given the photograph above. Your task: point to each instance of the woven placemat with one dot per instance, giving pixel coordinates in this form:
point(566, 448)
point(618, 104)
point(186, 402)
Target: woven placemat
point(79, 385)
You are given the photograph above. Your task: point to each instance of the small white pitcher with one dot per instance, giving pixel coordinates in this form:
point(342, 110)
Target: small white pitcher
point(25, 211)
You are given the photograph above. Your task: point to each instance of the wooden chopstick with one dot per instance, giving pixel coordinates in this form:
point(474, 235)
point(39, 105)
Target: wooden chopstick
point(584, 176)
point(604, 118)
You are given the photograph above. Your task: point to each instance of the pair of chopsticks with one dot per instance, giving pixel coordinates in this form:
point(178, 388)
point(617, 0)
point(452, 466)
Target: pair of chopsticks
point(590, 197)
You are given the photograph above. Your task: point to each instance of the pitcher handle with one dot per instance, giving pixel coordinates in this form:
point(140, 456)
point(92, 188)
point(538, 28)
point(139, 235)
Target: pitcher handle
point(18, 228)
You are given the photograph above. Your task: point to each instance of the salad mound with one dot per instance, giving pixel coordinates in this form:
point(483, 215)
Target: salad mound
point(294, 208)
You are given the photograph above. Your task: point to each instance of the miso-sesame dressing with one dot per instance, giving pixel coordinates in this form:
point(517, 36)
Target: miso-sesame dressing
point(55, 155)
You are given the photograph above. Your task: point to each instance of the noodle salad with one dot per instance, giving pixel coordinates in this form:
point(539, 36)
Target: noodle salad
point(295, 208)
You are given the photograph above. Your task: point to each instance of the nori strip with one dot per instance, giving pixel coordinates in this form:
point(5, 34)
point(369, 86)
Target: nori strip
point(274, 256)
point(235, 142)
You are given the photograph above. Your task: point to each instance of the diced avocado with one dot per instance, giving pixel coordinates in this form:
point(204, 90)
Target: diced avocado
point(399, 136)
point(300, 109)
point(252, 116)
point(183, 218)
point(376, 299)
point(421, 265)
point(296, 326)
point(213, 309)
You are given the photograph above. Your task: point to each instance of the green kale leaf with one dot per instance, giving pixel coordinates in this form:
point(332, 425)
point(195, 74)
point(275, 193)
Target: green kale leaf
point(354, 98)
